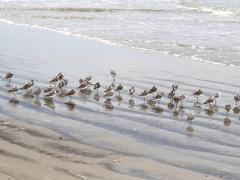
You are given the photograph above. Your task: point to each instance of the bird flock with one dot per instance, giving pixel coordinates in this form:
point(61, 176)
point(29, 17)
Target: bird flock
point(151, 97)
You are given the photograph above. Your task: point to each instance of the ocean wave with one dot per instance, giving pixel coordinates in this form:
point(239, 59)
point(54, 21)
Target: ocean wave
point(67, 33)
point(211, 10)
point(178, 9)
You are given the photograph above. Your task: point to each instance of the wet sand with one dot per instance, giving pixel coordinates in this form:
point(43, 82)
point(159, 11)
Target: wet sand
point(125, 143)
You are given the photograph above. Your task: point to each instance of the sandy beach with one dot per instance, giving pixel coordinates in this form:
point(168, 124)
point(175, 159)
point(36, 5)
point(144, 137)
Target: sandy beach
point(50, 141)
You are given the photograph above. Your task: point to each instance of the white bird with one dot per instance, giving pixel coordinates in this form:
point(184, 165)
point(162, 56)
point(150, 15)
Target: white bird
point(37, 91)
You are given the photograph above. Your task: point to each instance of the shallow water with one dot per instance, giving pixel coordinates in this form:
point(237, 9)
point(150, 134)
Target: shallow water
point(203, 30)
point(211, 149)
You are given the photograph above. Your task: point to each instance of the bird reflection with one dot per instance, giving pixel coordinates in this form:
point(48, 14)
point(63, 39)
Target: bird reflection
point(151, 102)
point(70, 105)
point(227, 121)
point(108, 104)
point(14, 101)
point(49, 103)
point(158, 109)
point(37, 102)
point(236, 110)
point(96, 97)
point(209, 111)
point(131, 103)
point(189, 129)
point(144, 106)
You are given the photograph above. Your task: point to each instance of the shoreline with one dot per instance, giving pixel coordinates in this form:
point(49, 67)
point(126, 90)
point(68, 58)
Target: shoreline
point(107, 42)
point(159, 147)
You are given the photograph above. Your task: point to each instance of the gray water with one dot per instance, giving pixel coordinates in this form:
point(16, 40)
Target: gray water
point(204, 30)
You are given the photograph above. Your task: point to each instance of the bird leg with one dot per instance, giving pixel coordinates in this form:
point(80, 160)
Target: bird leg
point(113, 83)
point(176, 106)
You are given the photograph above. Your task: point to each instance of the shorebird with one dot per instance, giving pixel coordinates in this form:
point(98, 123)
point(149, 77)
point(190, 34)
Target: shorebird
point(113, 74)
point(190, 117)
point(119, 88)
point(131, 91)
point(60, 76)
point(84, 85)
point(237, 99)
point(97, 85)
point(210, 100)
point(49, 89)
point(227, 108)
point(158, 97)
point(88, 78)
point(175, 87)
point(70, 94)
point(144, 95)
point(14, 90)
point(171, 94)
point(109, 93)
point(227, 121)
point(62, 84)
point(197, 94)
point(54, 80)
point(152, 91)
point(109, 88)
point(217, 95)
point(9, 76)
point(65, 82)
point(28, 85)
point(176, 100)
point(37, 91)
point(50, 94)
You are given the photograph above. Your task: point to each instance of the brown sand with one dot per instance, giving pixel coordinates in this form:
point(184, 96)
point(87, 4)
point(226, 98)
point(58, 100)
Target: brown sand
point(29, 152)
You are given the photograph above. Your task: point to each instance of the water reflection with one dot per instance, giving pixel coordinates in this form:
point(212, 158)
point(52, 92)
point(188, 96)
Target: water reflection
point(151, 102)
point(14, 101)
point(131, 103)
point(49, 103)
point(158, 109)
point(227, 121)
point(236, 110)
point(28, 95)
point(170, 105)
point(96, 97)
point(144, 106)
point(70, 105)
point(37, 102)
point(210, 111)
point(108, 104)
point(119, 99)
